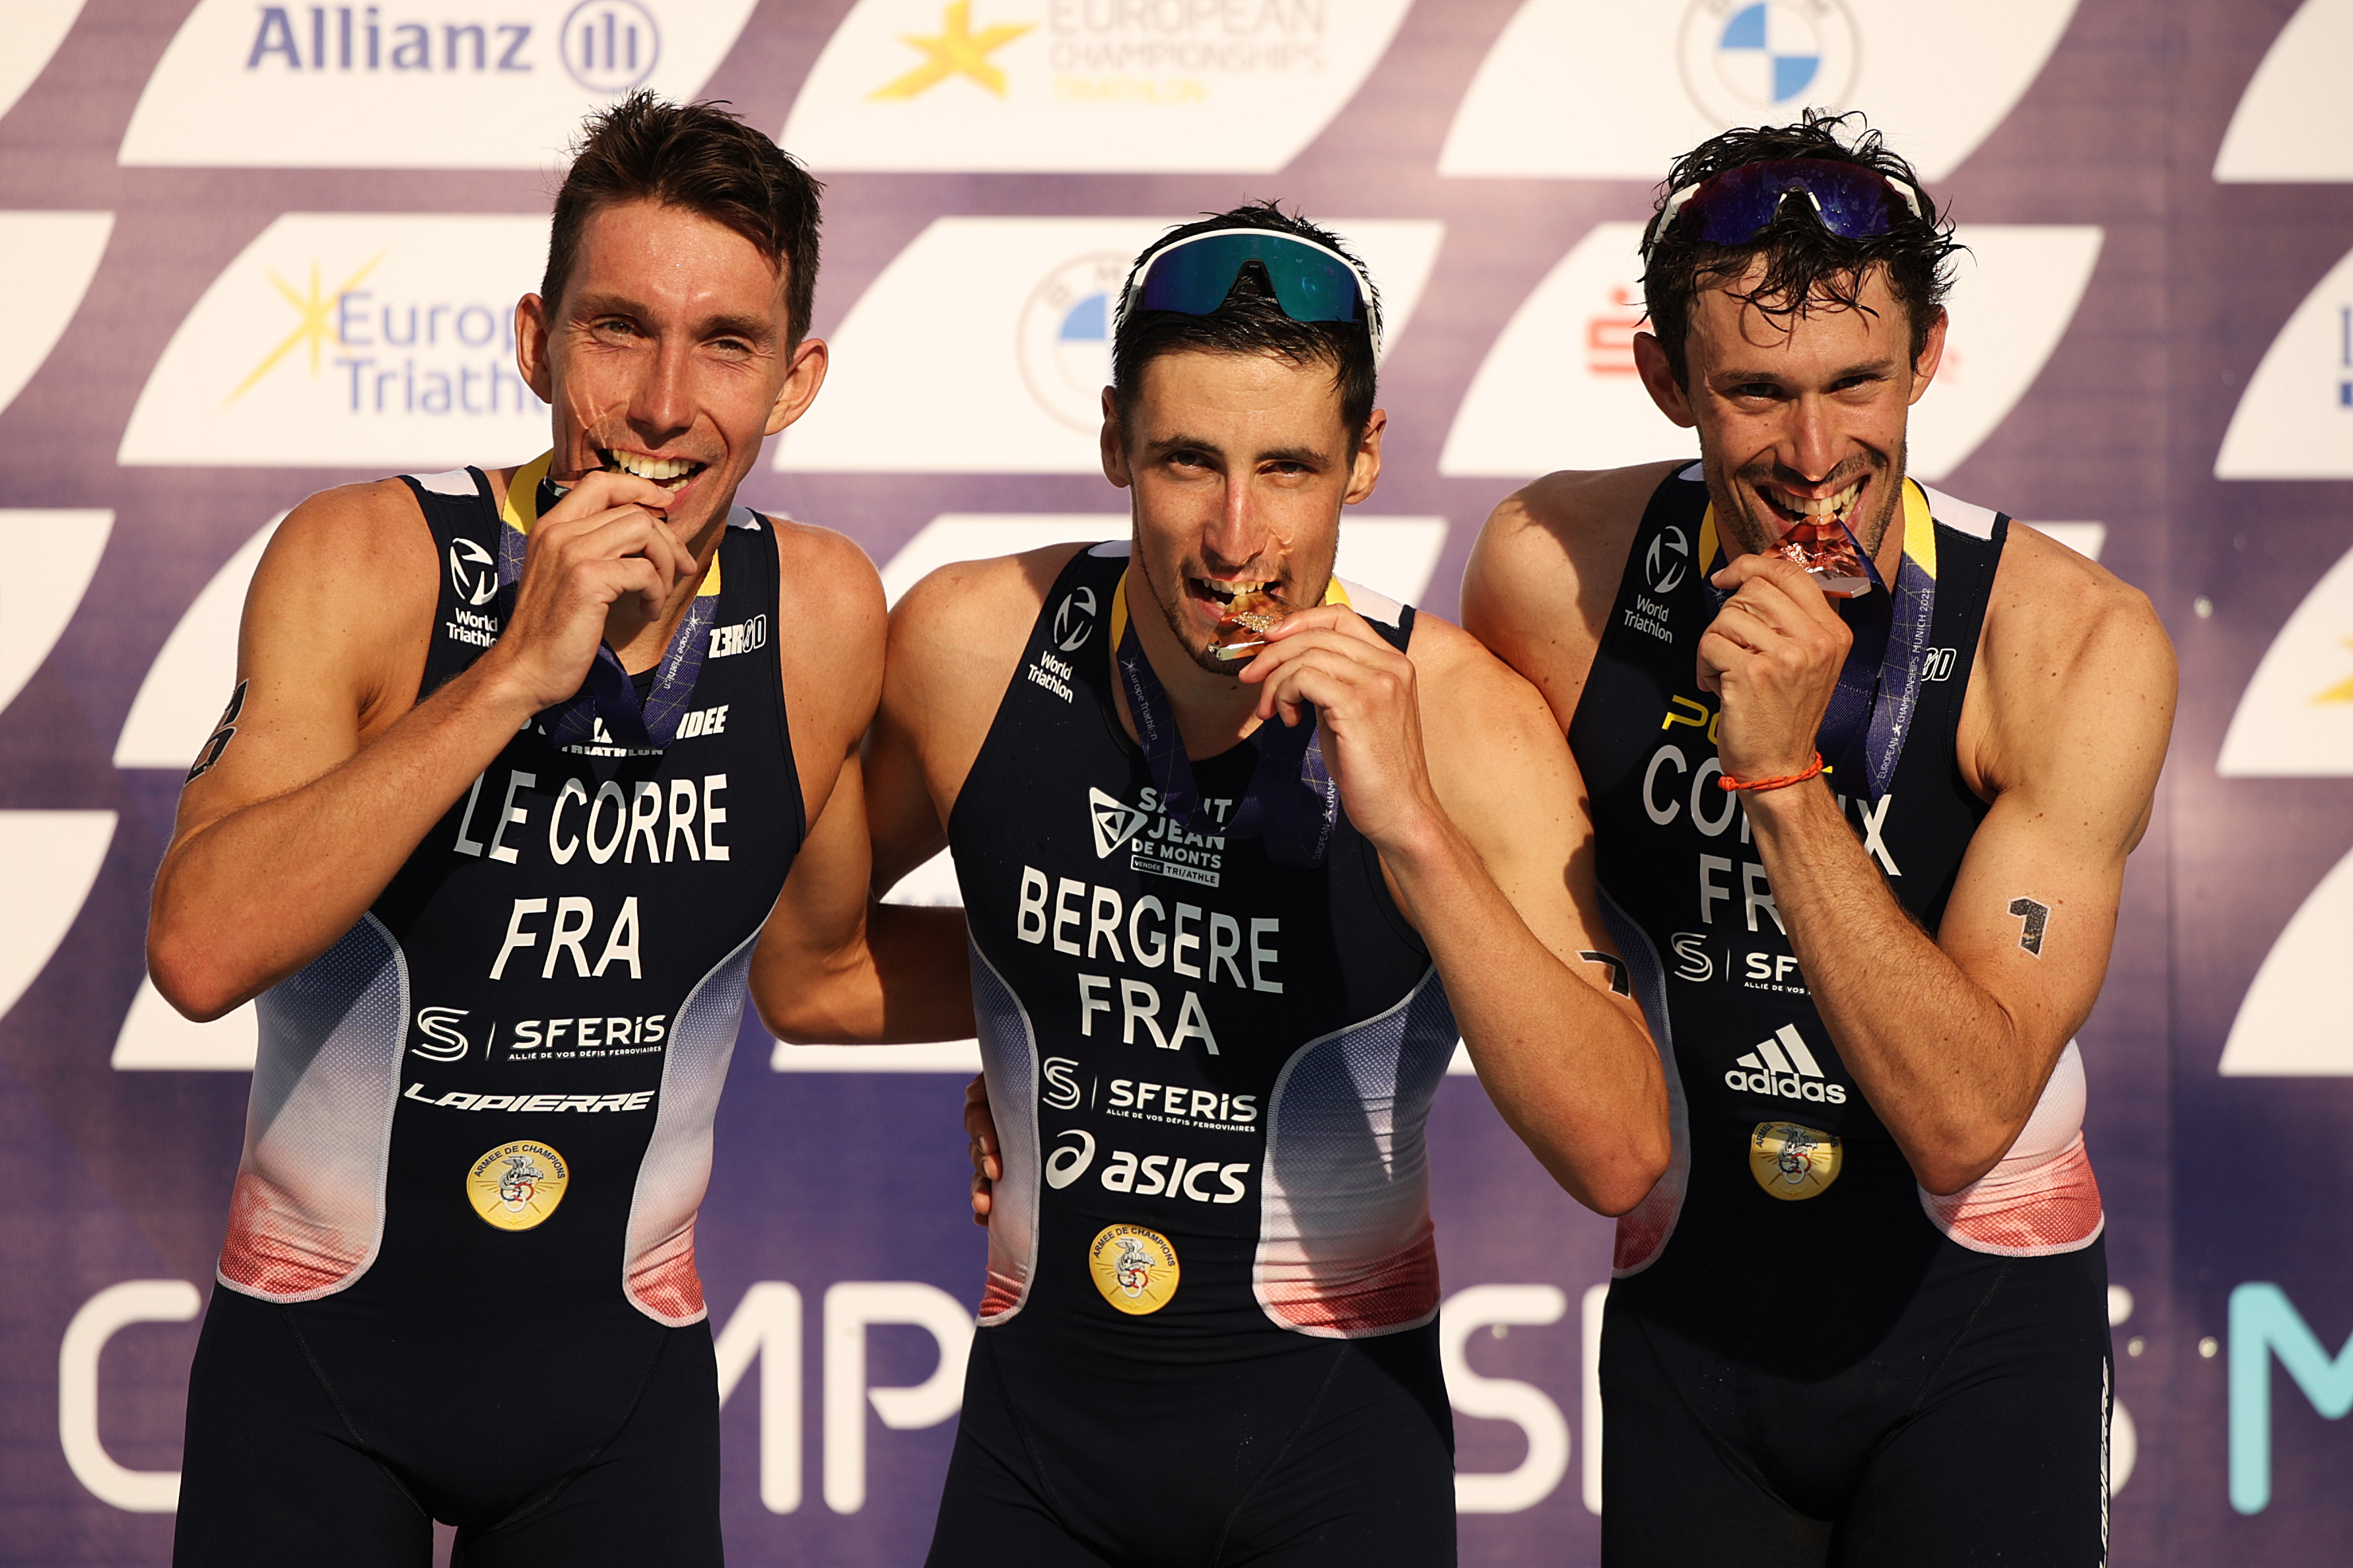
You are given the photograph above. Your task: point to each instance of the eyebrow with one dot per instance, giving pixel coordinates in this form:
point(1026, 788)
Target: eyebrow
point(1734, 377)
point(1307, 457)
point(763, 332)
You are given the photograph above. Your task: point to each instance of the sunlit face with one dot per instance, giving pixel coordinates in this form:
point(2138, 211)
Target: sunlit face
point(1797, 415)
point(1238, 466)
point(667, 356)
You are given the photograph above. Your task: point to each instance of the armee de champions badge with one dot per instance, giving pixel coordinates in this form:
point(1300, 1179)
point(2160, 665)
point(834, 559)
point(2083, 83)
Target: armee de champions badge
point(516, 1185)
point(1792, 1162)
point(1134, 1268)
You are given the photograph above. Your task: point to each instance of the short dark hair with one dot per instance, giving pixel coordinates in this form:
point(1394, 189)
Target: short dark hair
point(1251, 321)
point(1802, 258)
point(704, 160)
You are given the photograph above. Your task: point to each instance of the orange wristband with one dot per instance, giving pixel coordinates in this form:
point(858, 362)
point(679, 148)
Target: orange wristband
point(1726, 782)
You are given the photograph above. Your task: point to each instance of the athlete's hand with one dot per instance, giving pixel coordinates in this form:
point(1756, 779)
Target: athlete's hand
point(1772, 659)
point(1369, 710)
point(601, 565)
point(980, 1127)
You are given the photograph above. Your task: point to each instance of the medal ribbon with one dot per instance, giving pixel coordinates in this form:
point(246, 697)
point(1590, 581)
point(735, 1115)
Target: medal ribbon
point(608, 694)
point(1291, 804)
point(1870, 710)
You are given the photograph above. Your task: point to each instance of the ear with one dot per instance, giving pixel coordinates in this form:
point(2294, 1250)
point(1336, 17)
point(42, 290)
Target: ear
point(1659, 380)
point(1114, 441)
point(531, 347)
point(1364, 471)
point(803, 377)
point(1932, 355)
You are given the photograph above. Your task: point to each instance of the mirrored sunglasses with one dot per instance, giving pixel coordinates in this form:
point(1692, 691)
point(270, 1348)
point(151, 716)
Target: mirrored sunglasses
point(1311, 283)
point(1736, 206)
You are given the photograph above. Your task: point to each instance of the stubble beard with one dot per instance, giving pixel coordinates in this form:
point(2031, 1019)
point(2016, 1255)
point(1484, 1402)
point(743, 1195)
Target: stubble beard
point(1757, 535)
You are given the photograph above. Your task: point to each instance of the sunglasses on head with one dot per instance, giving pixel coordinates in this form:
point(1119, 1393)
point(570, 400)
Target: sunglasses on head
point(1734, 207)
point(1311, 283)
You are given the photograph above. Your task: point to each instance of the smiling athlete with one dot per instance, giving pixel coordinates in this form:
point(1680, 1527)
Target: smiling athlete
point(1226, 916)
point(1874, 845)
point(506, 793)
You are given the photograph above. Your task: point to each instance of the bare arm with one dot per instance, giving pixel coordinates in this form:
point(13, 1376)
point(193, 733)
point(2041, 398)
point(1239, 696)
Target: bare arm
point(333, 777)
point(1953, 1037)
point(832, 966)
point(1450, 764)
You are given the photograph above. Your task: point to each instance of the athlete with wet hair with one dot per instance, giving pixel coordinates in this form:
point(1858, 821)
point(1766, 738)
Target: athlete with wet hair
point(1835, 728)
point(1241, 848)
point(518, 763)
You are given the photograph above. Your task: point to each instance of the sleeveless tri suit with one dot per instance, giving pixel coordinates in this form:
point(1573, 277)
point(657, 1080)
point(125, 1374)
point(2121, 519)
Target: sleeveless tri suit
point(1807, 1358)
point(458, 1279)
point(1207, 1333)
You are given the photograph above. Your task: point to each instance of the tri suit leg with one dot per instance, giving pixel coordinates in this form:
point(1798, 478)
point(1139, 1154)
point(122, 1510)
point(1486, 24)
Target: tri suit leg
point(276, 1475)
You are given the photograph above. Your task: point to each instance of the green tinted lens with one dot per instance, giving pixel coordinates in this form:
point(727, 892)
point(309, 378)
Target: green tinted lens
point(1193, 279)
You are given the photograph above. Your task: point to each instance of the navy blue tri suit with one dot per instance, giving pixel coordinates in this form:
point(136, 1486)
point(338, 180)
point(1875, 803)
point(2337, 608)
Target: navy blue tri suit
point(1209, 1333)
point(1806, 1357)
point(459, 1281)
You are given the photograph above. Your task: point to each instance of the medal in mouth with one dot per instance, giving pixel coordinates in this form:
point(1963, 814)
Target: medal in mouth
point(1250, 614)
point(1815, 534)
point(670, 473)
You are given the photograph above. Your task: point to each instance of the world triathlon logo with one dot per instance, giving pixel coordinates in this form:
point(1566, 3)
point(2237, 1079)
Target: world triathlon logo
point(1750, 60)
point(1064, 341)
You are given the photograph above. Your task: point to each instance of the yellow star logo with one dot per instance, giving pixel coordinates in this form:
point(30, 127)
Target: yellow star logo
point(316, 326)
point(2340, 692)
point(957, 51)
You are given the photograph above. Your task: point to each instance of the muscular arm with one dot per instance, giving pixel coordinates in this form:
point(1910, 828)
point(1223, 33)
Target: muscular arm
point(832, 966)
point(836, 964)
point(1449, 764)
point(1953, 1037)
point(333, 777)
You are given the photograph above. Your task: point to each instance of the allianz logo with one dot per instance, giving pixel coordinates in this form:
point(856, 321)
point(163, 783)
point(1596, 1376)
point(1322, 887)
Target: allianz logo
point(1782, 1066)
point(607, 45)
point(1148, 1176)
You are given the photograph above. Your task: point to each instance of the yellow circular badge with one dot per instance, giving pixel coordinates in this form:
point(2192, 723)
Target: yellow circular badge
point(1792, 1162)
point(516, 1185)
point(1135, 1268)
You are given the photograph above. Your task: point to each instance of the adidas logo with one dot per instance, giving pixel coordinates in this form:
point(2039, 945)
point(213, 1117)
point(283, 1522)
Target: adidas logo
point(1782, 1066)
point(1115, 822)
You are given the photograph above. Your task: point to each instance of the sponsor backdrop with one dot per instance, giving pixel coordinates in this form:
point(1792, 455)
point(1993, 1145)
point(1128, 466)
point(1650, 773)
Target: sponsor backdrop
point(254, 250)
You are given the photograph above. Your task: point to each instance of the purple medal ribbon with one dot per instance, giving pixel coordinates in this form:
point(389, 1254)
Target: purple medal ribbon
point(1291, 804)
point(608, 694)
point(1870, 713)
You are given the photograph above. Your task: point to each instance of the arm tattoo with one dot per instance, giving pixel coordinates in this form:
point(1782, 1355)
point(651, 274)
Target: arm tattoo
point(223, 733)
point(2037, 916)
point(1617, 967)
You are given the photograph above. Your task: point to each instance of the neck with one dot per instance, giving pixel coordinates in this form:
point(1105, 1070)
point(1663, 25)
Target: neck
point(1213, 712)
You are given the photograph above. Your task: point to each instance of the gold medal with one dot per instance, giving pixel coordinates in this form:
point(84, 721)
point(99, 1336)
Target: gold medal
point(518, 1185)
point(1135, 1268)
point(1792, 1163)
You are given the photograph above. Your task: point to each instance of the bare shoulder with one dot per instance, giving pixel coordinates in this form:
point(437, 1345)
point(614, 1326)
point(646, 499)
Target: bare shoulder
point(829, 641)
point(366, 535)
point(1475, 709)
point(2063, 636)
point(956, 640)
point(2053, 611)
point(344, 598)
point(1544, 571)
point(976, 615)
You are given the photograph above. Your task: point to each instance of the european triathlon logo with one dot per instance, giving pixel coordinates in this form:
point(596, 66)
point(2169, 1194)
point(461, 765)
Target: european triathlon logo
point(1098, 85)
point(343, 340)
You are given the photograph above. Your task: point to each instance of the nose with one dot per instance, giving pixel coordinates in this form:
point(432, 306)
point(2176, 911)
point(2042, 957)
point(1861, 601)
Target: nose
point(1814, 444)
point(660, 406)
point(1237, 536)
